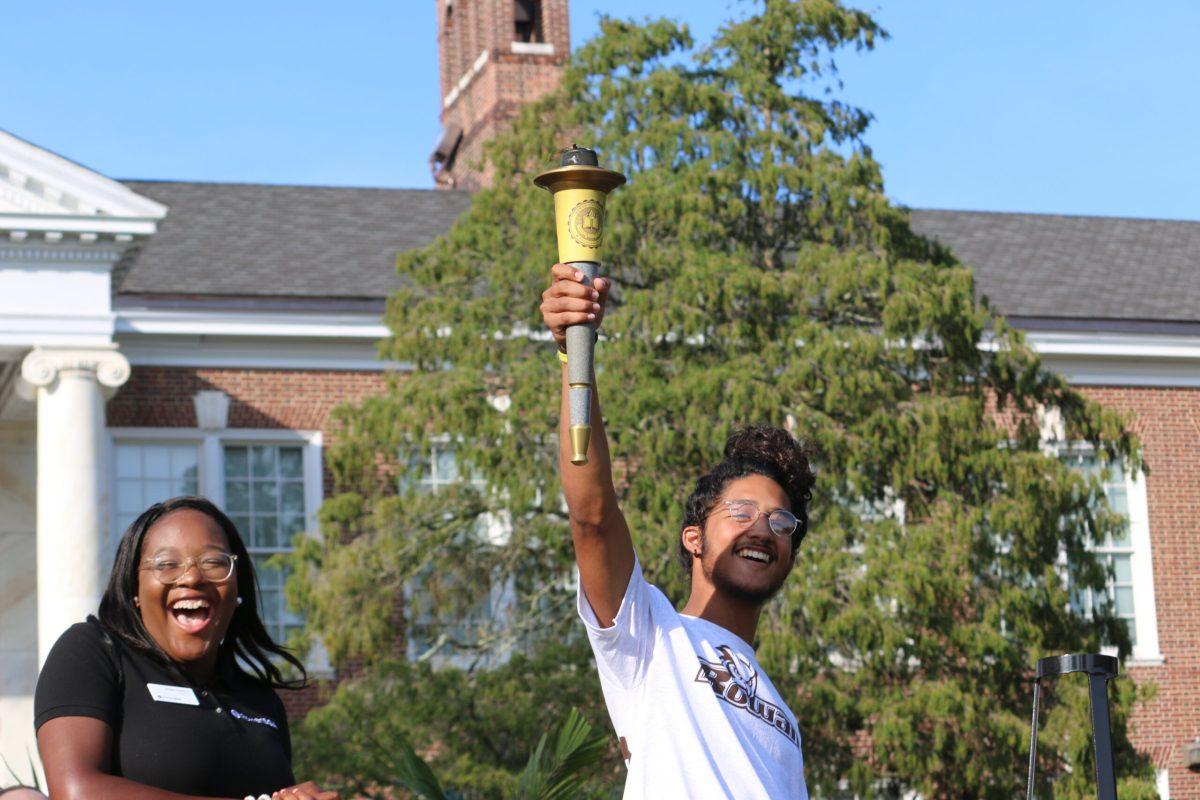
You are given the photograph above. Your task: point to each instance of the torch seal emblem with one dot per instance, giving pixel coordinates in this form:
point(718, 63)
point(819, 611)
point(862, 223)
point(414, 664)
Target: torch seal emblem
point(585, 223)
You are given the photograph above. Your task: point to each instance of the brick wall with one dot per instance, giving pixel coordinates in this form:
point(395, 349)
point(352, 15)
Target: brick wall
point(162, 396)
point(502, 86)
point(1168, 423)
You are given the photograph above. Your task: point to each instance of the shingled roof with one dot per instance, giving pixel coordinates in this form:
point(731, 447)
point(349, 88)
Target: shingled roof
point(262, 241)
point(1059, 267)
point(282, 241)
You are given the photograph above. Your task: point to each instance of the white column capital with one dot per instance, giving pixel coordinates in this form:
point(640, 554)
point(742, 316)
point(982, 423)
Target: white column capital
point(43, 367)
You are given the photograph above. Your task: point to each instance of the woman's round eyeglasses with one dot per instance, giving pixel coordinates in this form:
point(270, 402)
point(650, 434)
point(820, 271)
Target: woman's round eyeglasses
point(746, 512)
point(169, 568)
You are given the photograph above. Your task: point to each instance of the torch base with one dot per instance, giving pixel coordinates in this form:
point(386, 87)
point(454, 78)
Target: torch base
point(580, 435)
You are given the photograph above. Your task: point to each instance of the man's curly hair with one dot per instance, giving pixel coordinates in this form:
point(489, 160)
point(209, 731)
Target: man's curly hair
point(755, 450)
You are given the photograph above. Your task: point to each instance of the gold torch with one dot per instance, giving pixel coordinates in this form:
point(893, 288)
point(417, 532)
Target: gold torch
point(580, 187)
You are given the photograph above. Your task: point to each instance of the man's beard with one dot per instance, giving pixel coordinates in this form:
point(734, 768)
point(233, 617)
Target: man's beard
point(721, 574)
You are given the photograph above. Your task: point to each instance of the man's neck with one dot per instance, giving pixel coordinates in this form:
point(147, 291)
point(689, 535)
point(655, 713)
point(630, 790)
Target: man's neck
point(733, 614)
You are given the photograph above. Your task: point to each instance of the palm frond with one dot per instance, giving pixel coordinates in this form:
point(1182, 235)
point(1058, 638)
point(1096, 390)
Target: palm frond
point(556, 774)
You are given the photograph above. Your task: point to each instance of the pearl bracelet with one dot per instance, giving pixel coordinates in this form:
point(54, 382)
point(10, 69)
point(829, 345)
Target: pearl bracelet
point(260, 797)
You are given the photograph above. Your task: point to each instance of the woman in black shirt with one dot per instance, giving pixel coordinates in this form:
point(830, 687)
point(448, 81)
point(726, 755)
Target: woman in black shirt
point(151, 701)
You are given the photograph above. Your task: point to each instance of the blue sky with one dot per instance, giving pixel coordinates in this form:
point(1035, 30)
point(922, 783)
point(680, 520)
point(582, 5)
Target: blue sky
point(1056, 107)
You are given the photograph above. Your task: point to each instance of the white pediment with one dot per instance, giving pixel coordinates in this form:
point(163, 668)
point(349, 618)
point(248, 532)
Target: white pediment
point(35, 182)
point(63, 227)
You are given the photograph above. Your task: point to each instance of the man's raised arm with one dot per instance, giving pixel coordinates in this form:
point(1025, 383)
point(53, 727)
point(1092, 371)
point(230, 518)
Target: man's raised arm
point(603, 548)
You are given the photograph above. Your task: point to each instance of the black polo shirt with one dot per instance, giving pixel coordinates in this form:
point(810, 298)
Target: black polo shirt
point(227, 739)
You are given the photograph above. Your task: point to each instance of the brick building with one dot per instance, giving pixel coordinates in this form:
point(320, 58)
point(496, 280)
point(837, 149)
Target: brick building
point(158, 338)
point(494, 57)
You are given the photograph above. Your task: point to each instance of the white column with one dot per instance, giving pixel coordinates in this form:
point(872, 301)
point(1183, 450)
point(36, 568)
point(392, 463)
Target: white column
point(72, 481)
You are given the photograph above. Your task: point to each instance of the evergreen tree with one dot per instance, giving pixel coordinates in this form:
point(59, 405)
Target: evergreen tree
point(761, 275)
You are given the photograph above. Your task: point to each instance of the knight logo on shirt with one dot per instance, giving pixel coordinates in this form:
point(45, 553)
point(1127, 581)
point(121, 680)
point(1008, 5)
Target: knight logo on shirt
point(734, 680)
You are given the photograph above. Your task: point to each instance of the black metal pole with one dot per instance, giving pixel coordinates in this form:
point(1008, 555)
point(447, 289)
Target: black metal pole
point(1037, 686)
point(1100, 670)
point(1106, 784)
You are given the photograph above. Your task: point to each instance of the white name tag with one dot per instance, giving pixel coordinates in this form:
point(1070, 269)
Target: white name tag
point(164, 693)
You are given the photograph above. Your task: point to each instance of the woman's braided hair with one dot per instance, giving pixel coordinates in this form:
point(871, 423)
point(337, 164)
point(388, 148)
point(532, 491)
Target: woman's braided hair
point(754, 450)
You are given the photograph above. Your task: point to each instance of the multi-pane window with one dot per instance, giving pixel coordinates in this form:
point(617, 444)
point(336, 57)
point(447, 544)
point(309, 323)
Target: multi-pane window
point(148, 474)
point(1117, 550)
point(264, 495)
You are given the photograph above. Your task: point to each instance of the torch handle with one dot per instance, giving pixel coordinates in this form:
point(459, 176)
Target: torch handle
point(581, 344)
point(581, 337)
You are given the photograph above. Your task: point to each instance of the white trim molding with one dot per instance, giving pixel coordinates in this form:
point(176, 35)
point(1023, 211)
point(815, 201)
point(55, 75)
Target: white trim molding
point(239, 339)
point(275, 354)
point(307, 325)
point(82, 250)
point(1095, 358)
point(533, 48)
point(1145, 609)
point(263, 435)
point(55, 330)
point(347, 340)
point(79, 223)
point(1145, 652)
point(33, 178)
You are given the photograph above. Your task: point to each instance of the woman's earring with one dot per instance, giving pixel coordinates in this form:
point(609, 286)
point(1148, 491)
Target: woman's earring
point(137, 601)
point(239, 600)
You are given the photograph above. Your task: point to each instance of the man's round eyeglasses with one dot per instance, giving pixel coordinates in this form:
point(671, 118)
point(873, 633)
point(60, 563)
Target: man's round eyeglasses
point(169, 569)
point(746, 512)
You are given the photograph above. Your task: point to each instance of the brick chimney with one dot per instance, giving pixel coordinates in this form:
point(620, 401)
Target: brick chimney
point(494, 56)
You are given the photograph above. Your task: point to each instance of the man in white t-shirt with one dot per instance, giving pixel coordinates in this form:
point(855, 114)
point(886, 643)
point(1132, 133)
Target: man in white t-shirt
point(696, 715)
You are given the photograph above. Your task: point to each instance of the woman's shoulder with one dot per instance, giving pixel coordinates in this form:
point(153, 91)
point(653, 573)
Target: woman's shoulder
point(84, 646)
point(82, 676)
point(83, 638)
